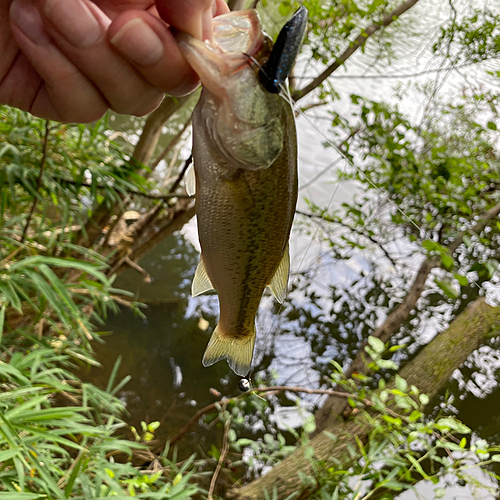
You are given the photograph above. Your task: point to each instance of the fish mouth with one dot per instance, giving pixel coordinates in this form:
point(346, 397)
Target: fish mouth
point(237, 36)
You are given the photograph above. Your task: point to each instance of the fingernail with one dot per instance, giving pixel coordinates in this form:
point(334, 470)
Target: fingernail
point(138, 41)
point(25, 15)
point(206, 25)
point(74, 20)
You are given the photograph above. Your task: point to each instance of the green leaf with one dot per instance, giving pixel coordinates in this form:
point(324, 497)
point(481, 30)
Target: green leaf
point(57, 262)
point(8, 454)
point(462, 280)
point(424, 399)
point(448, 423)
point(447, 260)
point(21, 496)
point(309, 424)
point(377, 345)
point(491, 125)
point(448, 288)
point(439, 492)
point(2, 321)
point(401, 383)
point(417, 466)
point(415, 415)
point(58, 285)
point(74, 473)
point(387, 364)
point(491, 266)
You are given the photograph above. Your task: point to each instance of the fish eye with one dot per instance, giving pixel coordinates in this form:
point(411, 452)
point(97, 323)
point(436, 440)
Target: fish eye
point(244, 384)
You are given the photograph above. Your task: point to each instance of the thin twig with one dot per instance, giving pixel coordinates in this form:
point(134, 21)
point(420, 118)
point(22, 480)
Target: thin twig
point(225, 448)
point(175, 185)
point(10, 256)
point(193, 421)
point(261, 390)
point(354, 230)
point(172, 143)
point(353, 47)
point(137, 267)
point(39, 181)
point(128, 191)
point(282, 388)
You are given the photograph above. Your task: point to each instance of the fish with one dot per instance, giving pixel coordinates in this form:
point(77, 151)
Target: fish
point(245, 169)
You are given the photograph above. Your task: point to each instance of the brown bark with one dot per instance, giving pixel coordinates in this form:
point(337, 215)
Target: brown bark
point(152, 129)
point(429, 371)
point(182, 213)
point(353, 47)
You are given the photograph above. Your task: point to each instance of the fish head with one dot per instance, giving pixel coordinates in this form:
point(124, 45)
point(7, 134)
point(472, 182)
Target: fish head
point(244, 122)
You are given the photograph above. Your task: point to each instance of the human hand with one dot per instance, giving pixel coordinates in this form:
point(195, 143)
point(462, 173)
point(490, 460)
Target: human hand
point(72, 60)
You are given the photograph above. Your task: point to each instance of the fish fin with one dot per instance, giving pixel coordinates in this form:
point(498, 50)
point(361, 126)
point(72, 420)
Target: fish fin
point(190, 181)
point(237, 351)
point(201, 282)
point(279, 282)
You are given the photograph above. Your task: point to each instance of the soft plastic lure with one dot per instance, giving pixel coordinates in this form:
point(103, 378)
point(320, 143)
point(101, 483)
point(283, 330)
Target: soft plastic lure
point(276, 70)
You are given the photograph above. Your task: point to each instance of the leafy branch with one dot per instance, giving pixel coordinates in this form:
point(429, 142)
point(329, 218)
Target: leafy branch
point(353, 47)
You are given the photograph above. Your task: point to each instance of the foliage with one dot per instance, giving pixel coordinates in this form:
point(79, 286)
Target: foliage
point(58, 435)
point(472, 39)
point(403, 446)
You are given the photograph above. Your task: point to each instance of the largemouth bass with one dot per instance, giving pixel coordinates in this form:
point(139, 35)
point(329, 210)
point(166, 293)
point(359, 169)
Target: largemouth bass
point(245, 163)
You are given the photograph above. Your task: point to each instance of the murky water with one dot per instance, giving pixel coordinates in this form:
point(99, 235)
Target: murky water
point(162, 352)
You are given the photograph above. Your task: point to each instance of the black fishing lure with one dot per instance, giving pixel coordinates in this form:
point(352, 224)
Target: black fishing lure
point(276, 70)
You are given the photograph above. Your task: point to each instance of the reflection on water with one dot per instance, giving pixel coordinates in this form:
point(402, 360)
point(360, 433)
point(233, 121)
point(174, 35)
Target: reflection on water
point(162, 352)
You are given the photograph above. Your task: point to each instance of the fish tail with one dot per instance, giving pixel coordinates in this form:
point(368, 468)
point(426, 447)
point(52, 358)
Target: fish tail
point(238, 351)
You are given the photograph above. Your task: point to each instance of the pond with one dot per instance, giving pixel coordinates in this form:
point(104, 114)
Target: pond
point(162, 351)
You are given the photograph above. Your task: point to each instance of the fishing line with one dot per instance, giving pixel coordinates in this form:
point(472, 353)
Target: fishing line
point(288, 98)
point(286, 95)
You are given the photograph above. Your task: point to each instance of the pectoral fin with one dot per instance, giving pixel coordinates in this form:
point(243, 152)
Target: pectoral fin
point(279, 282)
point(201, 282)
point(190, 181)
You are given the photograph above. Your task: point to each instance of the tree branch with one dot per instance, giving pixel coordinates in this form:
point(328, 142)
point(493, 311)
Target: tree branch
point(335, 406)
point(171, 145)
point(142, 155)
point(225, 449)
point(128, 191)
point(353, 47)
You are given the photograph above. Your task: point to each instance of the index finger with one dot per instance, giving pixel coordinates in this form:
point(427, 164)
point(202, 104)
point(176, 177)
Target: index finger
point(191, 16)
